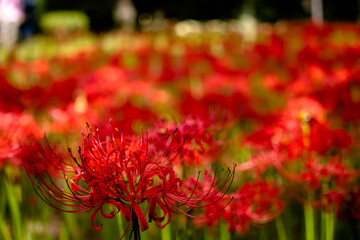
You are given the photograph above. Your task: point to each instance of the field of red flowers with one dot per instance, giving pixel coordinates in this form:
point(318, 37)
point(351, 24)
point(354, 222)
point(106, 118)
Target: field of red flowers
point(204, 136)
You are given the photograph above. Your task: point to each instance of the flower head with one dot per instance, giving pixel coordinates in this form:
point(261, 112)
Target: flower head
point(14, 128)
point(257, 202)
point(125, 172)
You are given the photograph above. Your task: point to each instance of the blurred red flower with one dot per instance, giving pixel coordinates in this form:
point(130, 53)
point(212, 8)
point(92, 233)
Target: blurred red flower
point(256, 202)
point(14, 128)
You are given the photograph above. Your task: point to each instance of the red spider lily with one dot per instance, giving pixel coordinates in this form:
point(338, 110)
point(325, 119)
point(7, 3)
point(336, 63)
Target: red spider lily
point(9, 95)
point(262, 161)
point(67, 120)
point(273, 48)
point(327, 181)
point(301, 147)
point(215, 205)
point(323, 139)
point(316, 173)
point(124, 172)
point(257, 202)
point(128, 115)
point(13, 129)
point(30, 86)
point(287, 124)
point(300, 127)
point(304, 108)
point(342, 97)
point(196, 132)
point(226, 107)
point(47, 162)
point(100, 84)
point(346, 203)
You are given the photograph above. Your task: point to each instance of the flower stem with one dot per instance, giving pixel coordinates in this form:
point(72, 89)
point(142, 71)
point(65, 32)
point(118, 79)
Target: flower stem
point(224, 233)
point(119, 223)
point(14, 209)
point(309, 222)
point(280, 228)
point(135, 226)
point(330, 220)
point(63, 232)
point(3, 228)
point(144, 235)
point(207, 234)
point(323, 225)
point(264, 235)
point(2, 194)
point(166, 233)
point(328, 225)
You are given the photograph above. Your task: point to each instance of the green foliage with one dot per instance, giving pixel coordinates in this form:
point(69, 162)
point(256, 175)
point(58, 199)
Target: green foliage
point(65, 21)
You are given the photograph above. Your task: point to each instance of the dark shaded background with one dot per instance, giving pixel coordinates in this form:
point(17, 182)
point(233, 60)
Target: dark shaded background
point(101, 18)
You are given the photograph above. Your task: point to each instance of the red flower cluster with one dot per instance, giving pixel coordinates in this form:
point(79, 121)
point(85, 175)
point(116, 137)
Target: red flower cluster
point(293, 99)
point(124, 172)
point(200, 147)
point(257, 202)
point(14, 128)
point(303, 148)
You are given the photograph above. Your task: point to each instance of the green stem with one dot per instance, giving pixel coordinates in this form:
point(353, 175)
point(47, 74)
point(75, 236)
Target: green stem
point(2, 195)
point(208, 234)
point(264, 235)
point(329, 225)
point(280, 227)
point(224, 233)
point(15, 210)
point(67, 225)
point(63, 233)
point(120, 223)
point(144, 235)
point(3, 228)
point(323, 225)
point(309, 222)
point(166, 233)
